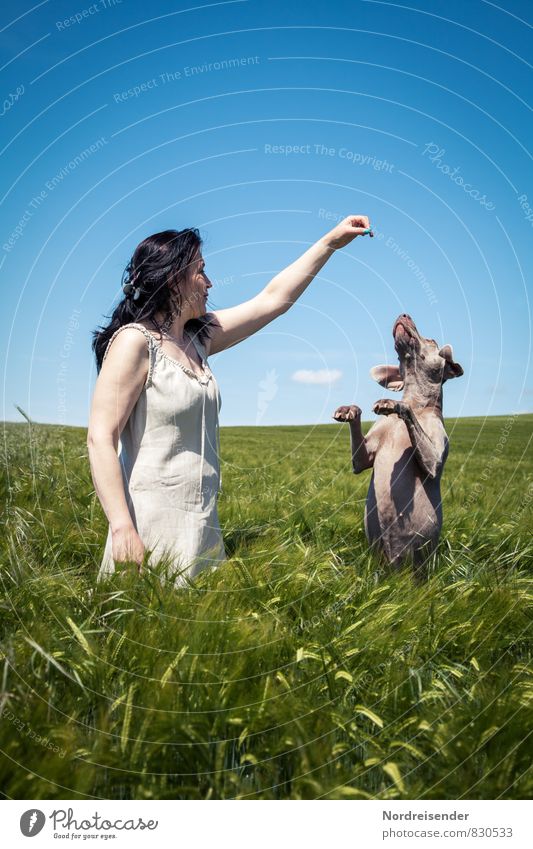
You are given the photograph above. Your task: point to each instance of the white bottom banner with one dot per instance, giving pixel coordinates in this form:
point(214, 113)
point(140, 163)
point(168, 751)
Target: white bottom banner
point(309, 824)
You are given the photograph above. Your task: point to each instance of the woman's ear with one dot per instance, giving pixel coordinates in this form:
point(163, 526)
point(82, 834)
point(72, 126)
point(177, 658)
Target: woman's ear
point(451, 368)
point(388, 376)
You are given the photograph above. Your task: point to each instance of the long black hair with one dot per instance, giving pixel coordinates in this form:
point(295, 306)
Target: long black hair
point(157, 260)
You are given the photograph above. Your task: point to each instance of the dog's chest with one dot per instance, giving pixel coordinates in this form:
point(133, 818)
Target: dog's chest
point(394, 439)
point(396, 472)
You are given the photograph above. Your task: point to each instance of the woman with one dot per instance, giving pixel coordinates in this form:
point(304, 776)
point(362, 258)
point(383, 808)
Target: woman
point(156, 392)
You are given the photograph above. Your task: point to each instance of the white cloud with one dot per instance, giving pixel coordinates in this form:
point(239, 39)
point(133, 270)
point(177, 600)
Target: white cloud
point(321, 376)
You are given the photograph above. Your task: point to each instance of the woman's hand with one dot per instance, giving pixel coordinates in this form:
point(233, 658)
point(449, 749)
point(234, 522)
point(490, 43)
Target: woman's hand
point(127, 545)
point(347, 230)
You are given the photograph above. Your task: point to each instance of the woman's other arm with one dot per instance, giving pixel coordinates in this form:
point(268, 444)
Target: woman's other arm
point(232, 325)
point(116, 391)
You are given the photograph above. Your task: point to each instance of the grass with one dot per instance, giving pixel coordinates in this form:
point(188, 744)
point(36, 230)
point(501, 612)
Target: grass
point(299, 669)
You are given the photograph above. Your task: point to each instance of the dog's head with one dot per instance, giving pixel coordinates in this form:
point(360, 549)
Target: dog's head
point(423, 365)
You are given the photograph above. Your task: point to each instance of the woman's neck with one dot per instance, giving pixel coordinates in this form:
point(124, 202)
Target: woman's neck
point(176, 330)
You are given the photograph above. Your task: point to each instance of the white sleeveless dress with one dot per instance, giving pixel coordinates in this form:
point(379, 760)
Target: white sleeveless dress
point(169, 458)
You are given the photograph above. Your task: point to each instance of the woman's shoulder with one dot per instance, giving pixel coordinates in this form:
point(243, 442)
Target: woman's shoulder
point(130, 340)
point(131, 349)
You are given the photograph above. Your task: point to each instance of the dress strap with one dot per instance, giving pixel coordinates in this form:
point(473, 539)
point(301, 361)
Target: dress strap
point(151, 348)
point(200, 348)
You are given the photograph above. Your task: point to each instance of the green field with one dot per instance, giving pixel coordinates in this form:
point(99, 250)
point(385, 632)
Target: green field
point(298, 670)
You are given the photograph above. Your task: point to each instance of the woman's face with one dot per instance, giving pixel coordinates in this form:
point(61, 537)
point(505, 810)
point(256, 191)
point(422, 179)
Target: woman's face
point(195, 291)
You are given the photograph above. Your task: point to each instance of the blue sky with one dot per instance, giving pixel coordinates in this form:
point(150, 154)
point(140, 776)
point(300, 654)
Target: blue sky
point(260, 123)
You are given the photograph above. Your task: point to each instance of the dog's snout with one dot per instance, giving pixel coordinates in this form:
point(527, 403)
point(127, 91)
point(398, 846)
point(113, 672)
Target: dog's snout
point(406, 322)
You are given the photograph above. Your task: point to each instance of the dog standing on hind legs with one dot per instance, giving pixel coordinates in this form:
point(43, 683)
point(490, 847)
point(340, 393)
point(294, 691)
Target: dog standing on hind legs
point(406, 449)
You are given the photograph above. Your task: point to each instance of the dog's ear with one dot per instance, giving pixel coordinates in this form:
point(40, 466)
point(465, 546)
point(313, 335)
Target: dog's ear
point(388, 376)
point(451, 368)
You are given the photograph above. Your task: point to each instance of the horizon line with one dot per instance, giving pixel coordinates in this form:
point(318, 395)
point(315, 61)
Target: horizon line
point(301, 424)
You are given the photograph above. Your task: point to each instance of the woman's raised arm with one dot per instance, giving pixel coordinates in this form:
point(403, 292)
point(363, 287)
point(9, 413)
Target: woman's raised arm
point(232, 325)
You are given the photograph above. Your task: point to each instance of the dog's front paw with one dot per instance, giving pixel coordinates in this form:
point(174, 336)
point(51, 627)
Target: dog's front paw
point(385, 407)
point(347, 414)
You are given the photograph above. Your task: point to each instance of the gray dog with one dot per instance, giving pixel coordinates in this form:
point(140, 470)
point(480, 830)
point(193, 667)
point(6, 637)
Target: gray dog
point(407, 448)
